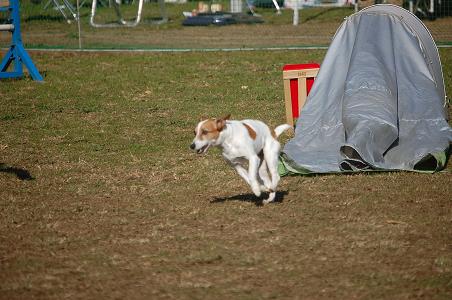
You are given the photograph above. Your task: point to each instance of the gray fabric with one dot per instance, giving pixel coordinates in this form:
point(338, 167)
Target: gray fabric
point(378, 101)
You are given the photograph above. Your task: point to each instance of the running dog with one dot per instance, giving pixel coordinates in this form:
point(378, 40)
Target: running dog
point(242, 142)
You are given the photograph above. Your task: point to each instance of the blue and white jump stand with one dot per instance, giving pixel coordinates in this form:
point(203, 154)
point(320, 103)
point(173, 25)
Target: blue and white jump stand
point(16, 53)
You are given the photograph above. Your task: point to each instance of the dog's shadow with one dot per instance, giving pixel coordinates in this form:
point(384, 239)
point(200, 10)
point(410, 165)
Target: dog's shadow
point(250, 198)
point(20, 173)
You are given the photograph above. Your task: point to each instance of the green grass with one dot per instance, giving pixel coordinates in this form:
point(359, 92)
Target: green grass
point(117, 206)
point(46, 28)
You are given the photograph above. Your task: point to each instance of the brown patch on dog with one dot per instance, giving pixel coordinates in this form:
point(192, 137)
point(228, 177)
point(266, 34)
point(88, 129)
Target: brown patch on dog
point(273, 133)
point(251, 132)
point(221, 124)
point(209, 130)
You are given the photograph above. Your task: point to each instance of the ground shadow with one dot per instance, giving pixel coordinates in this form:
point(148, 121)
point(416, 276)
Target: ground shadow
point(52, 17)
point(313, 17)
point(250, 198)
point(44, 18)
point(22, 174)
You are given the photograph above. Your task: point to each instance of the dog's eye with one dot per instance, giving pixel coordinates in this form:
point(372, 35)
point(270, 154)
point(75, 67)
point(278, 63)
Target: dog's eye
point(204, 132)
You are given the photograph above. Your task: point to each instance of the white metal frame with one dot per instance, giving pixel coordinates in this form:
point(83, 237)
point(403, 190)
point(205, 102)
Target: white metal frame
point(121, 22)
point(61, 7)
point(299, 4)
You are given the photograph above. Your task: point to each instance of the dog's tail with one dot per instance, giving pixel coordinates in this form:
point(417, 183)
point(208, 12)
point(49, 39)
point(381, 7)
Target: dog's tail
point(281, 128)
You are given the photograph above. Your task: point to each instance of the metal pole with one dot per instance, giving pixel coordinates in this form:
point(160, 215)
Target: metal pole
point(296, 16)
point(16, 53)
point(278, 9)
point(79, 28)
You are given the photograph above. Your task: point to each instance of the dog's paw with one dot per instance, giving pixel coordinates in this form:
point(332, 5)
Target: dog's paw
point(256, 190)
point(264, 188)
point(270, 198)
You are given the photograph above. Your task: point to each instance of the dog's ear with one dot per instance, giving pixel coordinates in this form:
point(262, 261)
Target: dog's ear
point(221, 124)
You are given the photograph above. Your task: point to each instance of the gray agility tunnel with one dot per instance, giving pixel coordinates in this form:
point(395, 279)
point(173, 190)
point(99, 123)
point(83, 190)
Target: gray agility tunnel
point(378, 102)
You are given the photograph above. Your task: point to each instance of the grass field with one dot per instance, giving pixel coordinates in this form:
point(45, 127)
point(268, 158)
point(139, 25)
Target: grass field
point(100, 197)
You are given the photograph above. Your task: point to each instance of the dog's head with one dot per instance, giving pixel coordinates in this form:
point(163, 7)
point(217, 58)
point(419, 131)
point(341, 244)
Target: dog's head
point(207, 133)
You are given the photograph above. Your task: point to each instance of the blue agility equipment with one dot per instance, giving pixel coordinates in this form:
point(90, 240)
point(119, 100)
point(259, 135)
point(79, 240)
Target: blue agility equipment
point(16, 53)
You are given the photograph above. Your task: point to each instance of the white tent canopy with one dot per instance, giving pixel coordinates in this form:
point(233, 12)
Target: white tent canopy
point(378, 102)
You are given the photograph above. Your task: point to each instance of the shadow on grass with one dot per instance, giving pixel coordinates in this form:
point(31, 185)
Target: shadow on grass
point(313, 17)
point(45, 18)
point(22, 174)
point(250, 198)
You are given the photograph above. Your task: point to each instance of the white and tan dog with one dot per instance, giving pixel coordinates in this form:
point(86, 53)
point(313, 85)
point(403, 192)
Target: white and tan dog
point(244, 141)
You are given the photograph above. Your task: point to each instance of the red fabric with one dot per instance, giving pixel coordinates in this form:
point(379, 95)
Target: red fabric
point(291, 67)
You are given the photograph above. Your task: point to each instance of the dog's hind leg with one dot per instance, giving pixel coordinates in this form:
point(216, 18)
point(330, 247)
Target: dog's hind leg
point(263, 174)
point(271, 153)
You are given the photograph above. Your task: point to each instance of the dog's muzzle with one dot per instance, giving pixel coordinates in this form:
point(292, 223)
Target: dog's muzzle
point(201, 150)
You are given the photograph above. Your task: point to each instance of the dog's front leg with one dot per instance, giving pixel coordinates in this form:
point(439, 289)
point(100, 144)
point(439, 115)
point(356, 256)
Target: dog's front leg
point(236, 163)
point(242, 172)
point(253, 166)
